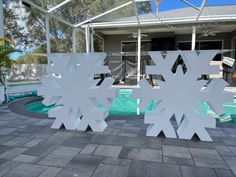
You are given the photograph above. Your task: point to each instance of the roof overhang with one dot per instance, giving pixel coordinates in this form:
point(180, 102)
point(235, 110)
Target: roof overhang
point(169, 21)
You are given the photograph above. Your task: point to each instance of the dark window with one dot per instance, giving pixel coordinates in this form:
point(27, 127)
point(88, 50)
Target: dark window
point(187, 46)
point(204, 45)
point(212, 45)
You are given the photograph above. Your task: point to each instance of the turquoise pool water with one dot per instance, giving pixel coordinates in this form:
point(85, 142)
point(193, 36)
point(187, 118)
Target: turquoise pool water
point(126, 105)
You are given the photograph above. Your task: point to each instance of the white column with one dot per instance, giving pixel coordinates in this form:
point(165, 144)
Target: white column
point(48, 34)
point(87, 31)
point(194, 38)
point(92, 42)
point(74, 40)
point(139, 55)
point(1, 20)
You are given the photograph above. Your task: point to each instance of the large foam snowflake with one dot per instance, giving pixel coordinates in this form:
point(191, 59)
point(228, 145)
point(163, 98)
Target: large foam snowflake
point(70, 83)
point(180, 93)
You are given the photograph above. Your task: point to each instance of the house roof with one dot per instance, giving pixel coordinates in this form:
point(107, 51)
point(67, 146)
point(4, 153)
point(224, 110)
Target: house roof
point(188, 15)
point(187, 12)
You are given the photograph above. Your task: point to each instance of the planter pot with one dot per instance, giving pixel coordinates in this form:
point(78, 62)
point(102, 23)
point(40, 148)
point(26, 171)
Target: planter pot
point(1, 94)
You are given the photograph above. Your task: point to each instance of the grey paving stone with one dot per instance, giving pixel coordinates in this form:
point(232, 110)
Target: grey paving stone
point(4, 148)
point(28, 170)
point(173, 142)
point(76, 142)
point(85, 163)
point(8, 166)
point(217, 132)
point(176, 151)
point(178, 161)
point(12, 153)
point(207, 158)
point(199, 144)
point(4, 138)
point(18, 141)
point(143, 142)
point(117, 161)
point(223, 150)
point(74, 173)
point(51, 172)
point(141, 154)
point(229, 141)
point(33, 142)
point(188, 171)
point(7, 131)
point(223, 173)
point(89, 149)
point(60, 157)
point(59, 138)
point(231, 162)
point(128, 134)
point(108, 150)
point(232, 149)
point(41, 149)
point(25, 158)
point(150, 169)
point(111, 131)
point(104, 170)
point(231, 132)
point(2, 161)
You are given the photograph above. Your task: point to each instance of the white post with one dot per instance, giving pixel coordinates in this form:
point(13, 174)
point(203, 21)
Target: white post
point(1, 20)
point(74, 40)
point(194, 38)
point(48, 34)
point(139, 55)
point(87, 31)
point(92, 42)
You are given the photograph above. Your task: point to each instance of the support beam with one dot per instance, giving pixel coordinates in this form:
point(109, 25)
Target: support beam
point(136, 11)
point(194, 38)
point(74, 40)
point(1, 20)
point(48, 34)
point(201, 9)
point(58, 6)
point(92, 42)
point(105, 13)
point(87, 31)
point(46, 12)
point(139, 55)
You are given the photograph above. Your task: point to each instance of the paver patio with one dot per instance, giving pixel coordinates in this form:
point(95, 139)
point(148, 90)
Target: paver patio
point(30, 148)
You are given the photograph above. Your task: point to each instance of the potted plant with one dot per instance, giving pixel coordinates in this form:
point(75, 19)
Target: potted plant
point(6, 48)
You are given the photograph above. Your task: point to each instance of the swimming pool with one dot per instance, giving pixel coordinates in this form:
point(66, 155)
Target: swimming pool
point(126, 105)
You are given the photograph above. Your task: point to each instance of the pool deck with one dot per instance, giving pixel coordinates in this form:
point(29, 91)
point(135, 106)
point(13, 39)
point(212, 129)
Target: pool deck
point(29, 148)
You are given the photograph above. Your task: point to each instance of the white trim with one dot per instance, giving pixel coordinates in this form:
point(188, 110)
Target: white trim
point(190, 4)
point(139, 55)
point(182, 20)
point(74, 40)
point(58, 6)
point(48, 34)
point(193, 37)
point(87, 38)
point(1, 20)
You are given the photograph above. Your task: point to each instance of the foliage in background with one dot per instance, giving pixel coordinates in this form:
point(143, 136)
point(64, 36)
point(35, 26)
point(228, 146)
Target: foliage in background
point(34, 57)
point(5, 61)
point(26, 25)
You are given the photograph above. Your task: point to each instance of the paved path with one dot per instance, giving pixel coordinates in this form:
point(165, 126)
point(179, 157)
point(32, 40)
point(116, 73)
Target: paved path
point(29, 148)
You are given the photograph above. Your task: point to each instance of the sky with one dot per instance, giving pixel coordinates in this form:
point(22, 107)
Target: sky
point(172, 4)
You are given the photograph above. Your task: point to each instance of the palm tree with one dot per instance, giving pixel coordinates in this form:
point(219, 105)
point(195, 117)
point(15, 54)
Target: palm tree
point(5, 61)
